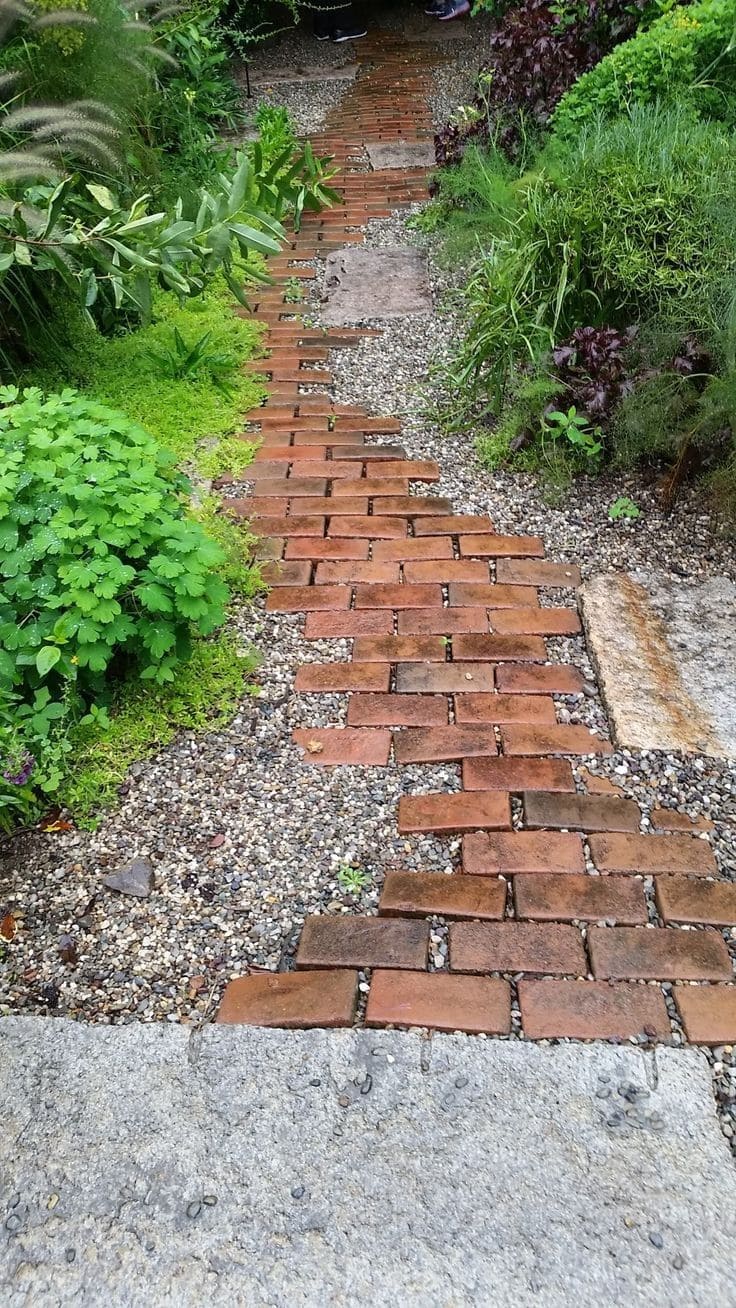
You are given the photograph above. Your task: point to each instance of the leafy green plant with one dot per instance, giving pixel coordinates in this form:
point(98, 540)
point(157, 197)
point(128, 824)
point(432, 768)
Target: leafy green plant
point(576, 429)
point(293, 291)
point(276, 132)
point(102, 569)
point(352, 879)
point(183, 360)
point(623, 507)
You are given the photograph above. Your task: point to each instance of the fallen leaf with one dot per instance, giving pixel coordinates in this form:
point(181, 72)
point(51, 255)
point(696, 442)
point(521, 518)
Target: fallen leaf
point(217, 840)
point(195, 985)
point(314, 746)
point(68, 950)
point(59, 824)
point(8, 926)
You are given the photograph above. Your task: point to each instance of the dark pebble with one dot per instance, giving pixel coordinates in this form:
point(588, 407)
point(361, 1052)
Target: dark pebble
point(297, 1192)
point(13, 1223)
point(656, 1239)
point(70, 1255)
point(210, 1200)
point(194, 1208)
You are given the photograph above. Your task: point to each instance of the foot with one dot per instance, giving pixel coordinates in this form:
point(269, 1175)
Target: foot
point(454, 9)
point(350, 33)
point(435, 8)
point(321, 36)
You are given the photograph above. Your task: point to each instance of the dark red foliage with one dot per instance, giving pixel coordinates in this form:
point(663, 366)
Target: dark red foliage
point(593, 366)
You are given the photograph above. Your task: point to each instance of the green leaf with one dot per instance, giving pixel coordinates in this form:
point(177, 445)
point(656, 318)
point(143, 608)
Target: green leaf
point(104, 198)
point(47, 658)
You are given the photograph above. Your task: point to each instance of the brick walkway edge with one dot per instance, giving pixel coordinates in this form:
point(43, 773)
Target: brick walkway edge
point(449, 663)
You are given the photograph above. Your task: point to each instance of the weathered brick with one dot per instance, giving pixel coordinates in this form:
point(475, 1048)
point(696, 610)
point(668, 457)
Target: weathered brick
point(370, 453)
point(304, 599)
point(680, 899)
point(558, 679)
point(343, 625)
point(503, 708)
point(270, 548)
point(445, 678)
point(517, 774)
point(348, 941)
point(411, 506)
point(298, 525)
point(561, 739)
point(413, 548)
point(356, 570)
point(279, 572)
point(453, 524)
point(587, 898)
point(442, 622)
point(443, 744)
point(287, 453)
point(446, 571)
point(254, 507)
point(346, 506)
point(478, 594)
point(370, 528)
point(447, 814)
point(307, 547)
point(414, 469)
point(371, 486)
point(291, 999)
point(334, 678)
point(521, 852)
point(536, 622)
point(499, 649)
point(538, 572)
point(332, 469)
point(516, 947)
point(397, 711)
point(397, 597)
point(658, 954)
point(421, 894)
point(650, 854)
point(580, 812)
point(399, 649)
point(591, 1010)
point(331, 746)
point(295, 487)
point(708, 1013)
point(492, 546)
point(440, 1002)
point(669, 819)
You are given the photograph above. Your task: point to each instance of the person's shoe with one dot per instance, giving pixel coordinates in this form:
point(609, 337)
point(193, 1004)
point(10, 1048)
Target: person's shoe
point(321, 36)
point(454, 9)
point(350, 33)
point(435, 8)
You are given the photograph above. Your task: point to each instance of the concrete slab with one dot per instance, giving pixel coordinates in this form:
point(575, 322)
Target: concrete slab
point(385, 283)
point(665, 650)
point(400, 154)
point(144, 1165)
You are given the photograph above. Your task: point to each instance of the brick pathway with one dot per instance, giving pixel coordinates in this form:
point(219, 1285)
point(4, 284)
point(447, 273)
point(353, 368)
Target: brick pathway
point(448, 663)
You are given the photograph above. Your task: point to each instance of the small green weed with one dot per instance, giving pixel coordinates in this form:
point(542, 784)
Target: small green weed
point(574, 428)
point(352, 879)
point(623, 507)
point(293, 291)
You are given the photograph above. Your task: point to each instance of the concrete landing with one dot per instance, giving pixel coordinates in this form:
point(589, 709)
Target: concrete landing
point(373, 284)
point(140, 1165)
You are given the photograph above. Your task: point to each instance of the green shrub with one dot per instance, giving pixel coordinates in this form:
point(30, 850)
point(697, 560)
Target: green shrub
point(608, 229)
point(689, 54)
point(102, 569)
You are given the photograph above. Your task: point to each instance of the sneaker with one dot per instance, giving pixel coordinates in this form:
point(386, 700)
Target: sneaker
point(454, 9)
point(435, 8)
point(350, 33)
point(321, 36)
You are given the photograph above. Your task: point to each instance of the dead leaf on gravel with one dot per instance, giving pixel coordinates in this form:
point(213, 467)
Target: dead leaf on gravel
point(8, 926)
point(314, 746)
point(217, 840)
point(68, 951)
point(57, 824)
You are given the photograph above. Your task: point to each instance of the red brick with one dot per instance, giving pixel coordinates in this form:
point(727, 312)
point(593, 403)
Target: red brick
point(334, 678)
point(668, 819)
point(449, 813)
point(370, 528)
point(253, 507)
point(498, 649)
point(708, 1013)
point(503, 708)
point(493, 547)
point(442, 622)
point(585, 898)
point(516, 947)
point(658, 954)
point(443, 744)
point(310, 548)
point(440, 1002)
point(397, 711)
point(445, 678)
point(591, 1010)
point(370, 453)
point(270, 548)
point(371, 486)
point(580, 812)
point(333, 506)
point(453, 525)
point(266, 470)
point(559, 679)
point(446, 571)
point(410, 506)
point(397, 597)
point(414, 469)
point(295, 487)
point(517, 774)
point(291, 999)
point(334, 470)
point(399, 649)
point(329, 746)
point(536, 622)
point(522, 852)
point(472, 594)
point(561, 739)
point(298, 525)
point(356, 570)
point(421, 894)
point(650, 854)
point(433, 547)
point(371, 622)
point(349, 941)
point(680, 899)
point(303, 599)
point(280, 573)
point(537, 572)
point(288, 453)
